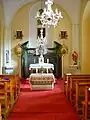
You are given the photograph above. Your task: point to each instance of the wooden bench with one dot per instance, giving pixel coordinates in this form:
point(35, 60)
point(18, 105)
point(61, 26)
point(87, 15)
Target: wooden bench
point(66, 84)
point(0, 112)
point(80, 94)
point(72, 89)
point(4, 99)
point(13, 83)
point(86, 104)
point(68, 79)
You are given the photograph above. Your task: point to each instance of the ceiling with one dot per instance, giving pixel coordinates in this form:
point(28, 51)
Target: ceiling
point(12, 6)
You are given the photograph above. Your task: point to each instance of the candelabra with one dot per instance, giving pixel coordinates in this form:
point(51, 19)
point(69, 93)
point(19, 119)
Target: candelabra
point(41, 44)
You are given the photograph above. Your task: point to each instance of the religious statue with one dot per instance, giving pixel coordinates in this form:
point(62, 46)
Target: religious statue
point(75, 57)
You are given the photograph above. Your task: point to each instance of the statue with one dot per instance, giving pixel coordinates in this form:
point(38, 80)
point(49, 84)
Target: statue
point(75, 57)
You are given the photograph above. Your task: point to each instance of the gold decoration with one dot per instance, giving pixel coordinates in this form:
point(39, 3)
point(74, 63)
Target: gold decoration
point(18, 49)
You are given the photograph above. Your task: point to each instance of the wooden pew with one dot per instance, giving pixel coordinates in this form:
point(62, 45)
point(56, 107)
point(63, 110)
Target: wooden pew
point(73, 82)
point(86, 104)
point(66, 83)
point(13, 83)
point(17, 78)
point(68, 79)
point(4, 99)
point(0, 112)
point(79, 95)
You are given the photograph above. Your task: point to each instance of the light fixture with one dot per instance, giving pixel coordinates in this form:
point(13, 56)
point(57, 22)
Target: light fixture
point(48, 17)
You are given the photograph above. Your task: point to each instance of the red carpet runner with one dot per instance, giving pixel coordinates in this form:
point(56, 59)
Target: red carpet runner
point(43, 105)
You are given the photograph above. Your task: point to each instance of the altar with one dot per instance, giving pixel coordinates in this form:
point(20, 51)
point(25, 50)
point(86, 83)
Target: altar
point(42, 66)
point(42, 81)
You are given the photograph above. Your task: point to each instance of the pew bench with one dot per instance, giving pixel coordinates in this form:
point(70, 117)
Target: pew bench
point(4, 99)
point(79, 96)
point(73, 86)
point(13, 84)
point(68, 82)
point(86, 104)
point(0, 112)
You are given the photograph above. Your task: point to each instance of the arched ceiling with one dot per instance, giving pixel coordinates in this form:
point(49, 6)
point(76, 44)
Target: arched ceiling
point(86, 13)
point(11, 6)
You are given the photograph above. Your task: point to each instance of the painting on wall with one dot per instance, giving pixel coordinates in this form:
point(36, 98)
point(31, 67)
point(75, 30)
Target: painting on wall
point(63, 35)
point(19, 35)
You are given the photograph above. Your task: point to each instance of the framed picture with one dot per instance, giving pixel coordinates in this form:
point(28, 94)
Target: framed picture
point(19, 35)
point(63, 34)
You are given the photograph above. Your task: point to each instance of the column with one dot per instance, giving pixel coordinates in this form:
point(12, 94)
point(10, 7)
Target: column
point(75, 38)
point(18, 52)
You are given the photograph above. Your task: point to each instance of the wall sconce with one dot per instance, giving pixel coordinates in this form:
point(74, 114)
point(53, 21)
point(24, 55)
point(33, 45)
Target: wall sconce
point(63, 35)
point(19, 35)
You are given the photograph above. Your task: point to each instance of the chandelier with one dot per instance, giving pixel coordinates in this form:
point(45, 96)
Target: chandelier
point(47, 16)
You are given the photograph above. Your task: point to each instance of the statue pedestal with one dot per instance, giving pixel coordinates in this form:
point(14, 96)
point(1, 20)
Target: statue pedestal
point(74, 69)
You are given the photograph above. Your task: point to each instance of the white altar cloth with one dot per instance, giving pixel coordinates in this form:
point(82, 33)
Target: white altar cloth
point(41, 65)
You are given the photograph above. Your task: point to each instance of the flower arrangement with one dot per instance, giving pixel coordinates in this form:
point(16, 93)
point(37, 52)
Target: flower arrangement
point(75, 57)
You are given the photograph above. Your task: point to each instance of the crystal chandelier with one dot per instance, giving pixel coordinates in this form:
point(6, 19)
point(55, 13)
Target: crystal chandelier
point(48, 17)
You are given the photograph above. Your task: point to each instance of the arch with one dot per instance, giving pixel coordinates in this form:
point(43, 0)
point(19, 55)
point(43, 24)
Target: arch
point(52, 35)
point(85, 60)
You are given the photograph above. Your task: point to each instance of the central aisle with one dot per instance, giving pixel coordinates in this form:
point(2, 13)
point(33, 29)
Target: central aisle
point(42, 105)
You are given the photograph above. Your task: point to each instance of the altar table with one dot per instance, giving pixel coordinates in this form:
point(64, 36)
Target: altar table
point(41, 65)
point(42, 81)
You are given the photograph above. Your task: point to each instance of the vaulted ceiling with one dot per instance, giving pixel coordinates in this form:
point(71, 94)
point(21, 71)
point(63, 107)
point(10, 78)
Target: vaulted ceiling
point(11, 7)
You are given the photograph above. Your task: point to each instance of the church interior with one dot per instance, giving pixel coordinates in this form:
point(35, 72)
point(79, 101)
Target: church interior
point(44, 59)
